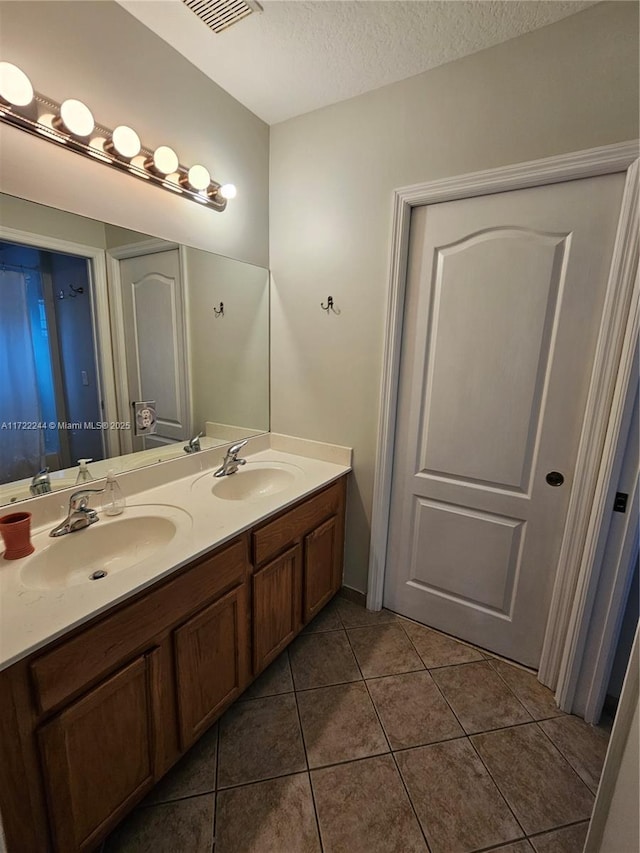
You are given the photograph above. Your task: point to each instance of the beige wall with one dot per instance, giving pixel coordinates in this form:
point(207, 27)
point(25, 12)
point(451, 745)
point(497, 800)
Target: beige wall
point(229, 354)
point(621, 829)
point(566, 87)
point(99, 53)
point(615, 827)
point(21, 215)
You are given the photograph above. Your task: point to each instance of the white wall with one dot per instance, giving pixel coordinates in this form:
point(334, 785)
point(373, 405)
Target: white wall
point(99, 53)
point(566, 87)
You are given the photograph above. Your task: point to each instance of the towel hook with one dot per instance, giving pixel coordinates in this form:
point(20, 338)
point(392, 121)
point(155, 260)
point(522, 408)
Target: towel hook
point(219, 312)
point(329, 306)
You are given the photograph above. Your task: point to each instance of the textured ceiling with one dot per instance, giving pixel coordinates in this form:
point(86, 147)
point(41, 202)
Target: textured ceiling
point(297, 56)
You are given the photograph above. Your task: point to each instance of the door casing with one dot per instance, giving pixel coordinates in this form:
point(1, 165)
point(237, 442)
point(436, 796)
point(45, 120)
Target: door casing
point(614, 358)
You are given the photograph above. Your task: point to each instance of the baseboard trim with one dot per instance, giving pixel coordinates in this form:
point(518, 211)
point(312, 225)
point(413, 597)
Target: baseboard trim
point(353, 595)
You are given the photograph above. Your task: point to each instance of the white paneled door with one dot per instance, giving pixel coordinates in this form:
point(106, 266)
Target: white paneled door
point(156, 352)
point(504, 299)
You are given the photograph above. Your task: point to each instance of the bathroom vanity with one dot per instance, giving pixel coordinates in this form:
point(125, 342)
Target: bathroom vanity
point(92, 720)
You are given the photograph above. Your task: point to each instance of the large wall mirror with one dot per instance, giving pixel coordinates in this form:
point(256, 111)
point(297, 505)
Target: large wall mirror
point(96, 321)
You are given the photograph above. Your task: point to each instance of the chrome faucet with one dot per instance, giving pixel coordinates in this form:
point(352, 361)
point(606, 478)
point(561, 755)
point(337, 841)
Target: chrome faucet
point(194, 444)
point(80, 514)
point(231, 461)
point(41, 484)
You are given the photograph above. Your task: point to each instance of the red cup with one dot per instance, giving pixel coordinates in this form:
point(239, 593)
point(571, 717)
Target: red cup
point(15, 529)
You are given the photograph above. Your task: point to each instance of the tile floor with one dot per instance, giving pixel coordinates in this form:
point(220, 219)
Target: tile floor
point(372, 734)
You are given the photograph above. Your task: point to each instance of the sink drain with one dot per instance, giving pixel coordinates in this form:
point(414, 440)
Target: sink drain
point(97, 575)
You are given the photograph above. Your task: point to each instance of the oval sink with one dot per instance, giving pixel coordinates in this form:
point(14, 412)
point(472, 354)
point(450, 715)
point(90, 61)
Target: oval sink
point(103, 549)
point(253, 481)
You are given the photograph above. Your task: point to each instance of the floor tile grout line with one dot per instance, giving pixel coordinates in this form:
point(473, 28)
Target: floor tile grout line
point(297, 689)
point(422, 667)
point(550, 829)
point(181, 799)
point(498, 788)
point(215, 782)
point(564, 757)
point(453, 639)
point(558, 828)
point(308, 771)
point(463, 734)
point(237, 785)
point(500, 676)
point(503, 846)
point(393, 758)
point(315, 811)
point(468, 737)
point(512, 692)
point(429, 668)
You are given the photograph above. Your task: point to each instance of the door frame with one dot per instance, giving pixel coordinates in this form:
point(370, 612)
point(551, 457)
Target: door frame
point(613, 357)
point(114, 256)
point(103, 352)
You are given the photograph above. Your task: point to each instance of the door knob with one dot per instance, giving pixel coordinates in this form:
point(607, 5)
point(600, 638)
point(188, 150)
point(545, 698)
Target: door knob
point(554, 478)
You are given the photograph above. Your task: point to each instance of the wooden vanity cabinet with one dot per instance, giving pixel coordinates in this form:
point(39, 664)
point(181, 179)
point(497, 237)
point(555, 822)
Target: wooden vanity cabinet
point(297, 560)
point(98, 755)
point(100, 716)
point(89, 724)
point(277, 613)
point(210, 651)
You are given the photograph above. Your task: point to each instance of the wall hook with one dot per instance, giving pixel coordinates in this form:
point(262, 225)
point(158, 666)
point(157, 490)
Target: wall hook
point(219, 312)
point(329, 306)
point(73, 292)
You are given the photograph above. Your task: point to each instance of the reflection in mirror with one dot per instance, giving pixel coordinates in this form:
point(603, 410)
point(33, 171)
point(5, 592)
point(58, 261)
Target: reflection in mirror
point(95, 318)
point(46, 332)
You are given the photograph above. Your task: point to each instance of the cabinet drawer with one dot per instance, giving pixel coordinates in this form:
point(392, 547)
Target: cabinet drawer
point(275, 536)
point(88, 656)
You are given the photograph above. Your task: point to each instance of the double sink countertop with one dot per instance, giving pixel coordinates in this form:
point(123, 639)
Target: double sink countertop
point(176, 511)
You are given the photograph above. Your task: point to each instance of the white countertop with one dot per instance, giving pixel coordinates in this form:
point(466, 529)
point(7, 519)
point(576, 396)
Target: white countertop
point(30, 618)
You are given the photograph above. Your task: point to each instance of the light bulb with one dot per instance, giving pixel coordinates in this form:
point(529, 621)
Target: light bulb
point(76, 118)
point(15, 86)
point(197, 178)
point(228, 191)
point(125, 142)
point(164, 160)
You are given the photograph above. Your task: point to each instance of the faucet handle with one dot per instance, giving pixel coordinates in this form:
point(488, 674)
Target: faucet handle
point(79, 500)
point(193, 445)
point(236, 448)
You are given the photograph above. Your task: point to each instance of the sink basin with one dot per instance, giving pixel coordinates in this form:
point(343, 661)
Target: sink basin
point(103, 549)
point(254, 481)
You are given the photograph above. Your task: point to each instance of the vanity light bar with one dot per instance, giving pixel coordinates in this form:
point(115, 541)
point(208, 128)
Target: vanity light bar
point(72, 124)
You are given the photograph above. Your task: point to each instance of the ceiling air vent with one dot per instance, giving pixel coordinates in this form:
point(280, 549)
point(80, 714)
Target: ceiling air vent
point(220, 14)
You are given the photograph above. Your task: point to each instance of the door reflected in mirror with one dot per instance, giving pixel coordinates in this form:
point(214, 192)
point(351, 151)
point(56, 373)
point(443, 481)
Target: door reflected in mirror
point(94, 318)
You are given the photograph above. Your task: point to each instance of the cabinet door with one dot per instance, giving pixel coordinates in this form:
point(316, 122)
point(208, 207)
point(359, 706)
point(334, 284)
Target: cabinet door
point(277, 597)
point(98, 756)
point(321, 553)
point(210, 654)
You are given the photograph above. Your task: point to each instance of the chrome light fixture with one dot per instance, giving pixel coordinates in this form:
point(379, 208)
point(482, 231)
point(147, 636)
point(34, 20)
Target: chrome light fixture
point(72, 124)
